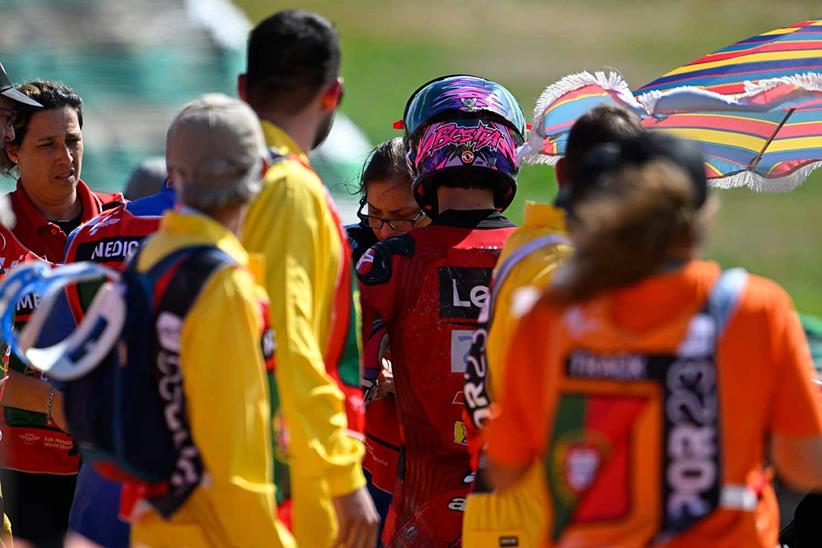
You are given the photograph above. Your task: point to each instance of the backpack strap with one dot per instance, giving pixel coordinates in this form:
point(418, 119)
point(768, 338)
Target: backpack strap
point(723, 301)
point(724, 297)
point(173, 284)
point(476, 394)
point(183, 274)
point(505, 268)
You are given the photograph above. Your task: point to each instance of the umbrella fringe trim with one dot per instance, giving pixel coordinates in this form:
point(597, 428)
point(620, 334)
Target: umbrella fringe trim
point(530, 153)
point(650, 99)
point(808, 81)
point(758, 183)
point(527, 155)
point(613, 81)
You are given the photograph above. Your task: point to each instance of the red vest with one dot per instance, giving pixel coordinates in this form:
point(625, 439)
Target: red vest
point(30, 442)
point(46, 238)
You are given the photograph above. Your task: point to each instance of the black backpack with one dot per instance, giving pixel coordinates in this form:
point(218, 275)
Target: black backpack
point(128, 415)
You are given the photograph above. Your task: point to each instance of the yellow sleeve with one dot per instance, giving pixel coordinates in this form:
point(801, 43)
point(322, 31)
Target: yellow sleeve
point(534, 271)
point(229, 412)
point(291, 226)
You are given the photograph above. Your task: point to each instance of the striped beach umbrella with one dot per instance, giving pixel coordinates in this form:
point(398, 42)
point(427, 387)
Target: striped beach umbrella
point(754, 106)
point(795, 49)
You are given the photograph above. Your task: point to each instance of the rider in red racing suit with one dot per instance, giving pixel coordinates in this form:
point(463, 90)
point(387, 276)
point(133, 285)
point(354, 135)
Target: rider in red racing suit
point(429, 285)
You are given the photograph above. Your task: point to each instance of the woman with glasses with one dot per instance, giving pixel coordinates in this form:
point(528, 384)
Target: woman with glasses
point(387, 208)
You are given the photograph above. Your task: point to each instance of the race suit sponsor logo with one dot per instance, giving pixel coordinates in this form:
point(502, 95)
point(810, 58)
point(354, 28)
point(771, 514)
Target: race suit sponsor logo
point(463, 291)
point(477, 401)
point(460, 436)
point(366, 262)
point(457, 504)
point(460, 345)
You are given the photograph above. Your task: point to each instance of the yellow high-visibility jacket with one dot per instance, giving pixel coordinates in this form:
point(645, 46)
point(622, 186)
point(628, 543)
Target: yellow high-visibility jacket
point(534, 271)
point(227, 400)
point(521, 511)
point(293, 225)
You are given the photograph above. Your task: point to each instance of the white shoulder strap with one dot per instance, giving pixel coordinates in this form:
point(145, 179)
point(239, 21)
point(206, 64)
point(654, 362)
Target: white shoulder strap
point(724, 297)
point(505, 267)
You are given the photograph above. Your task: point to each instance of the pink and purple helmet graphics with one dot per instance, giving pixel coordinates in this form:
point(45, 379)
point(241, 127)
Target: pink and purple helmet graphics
point(468, 94)
point(458, 122)
point(466, 142)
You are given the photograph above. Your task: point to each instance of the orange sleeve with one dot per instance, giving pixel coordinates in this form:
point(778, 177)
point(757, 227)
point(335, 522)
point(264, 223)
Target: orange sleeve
point(796, 400)
point(516, 435)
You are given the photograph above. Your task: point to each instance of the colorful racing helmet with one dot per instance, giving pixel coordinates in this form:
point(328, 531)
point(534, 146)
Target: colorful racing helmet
point(458, 122)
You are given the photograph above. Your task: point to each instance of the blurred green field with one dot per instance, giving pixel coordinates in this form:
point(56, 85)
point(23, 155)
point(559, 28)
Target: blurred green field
point(392, 47)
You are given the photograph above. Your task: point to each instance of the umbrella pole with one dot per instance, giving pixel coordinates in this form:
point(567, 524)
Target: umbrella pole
point(761, 153)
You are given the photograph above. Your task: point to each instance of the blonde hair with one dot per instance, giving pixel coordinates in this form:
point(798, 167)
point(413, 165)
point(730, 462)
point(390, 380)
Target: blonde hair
point(643, 217)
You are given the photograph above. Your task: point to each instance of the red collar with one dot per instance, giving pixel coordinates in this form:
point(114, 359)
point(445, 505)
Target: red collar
point(91, 205)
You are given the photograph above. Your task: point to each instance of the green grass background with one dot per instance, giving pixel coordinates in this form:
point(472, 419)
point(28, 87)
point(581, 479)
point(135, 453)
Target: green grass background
point(391, 47)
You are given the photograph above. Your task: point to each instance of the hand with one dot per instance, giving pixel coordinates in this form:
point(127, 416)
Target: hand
point(385, 380)
point(358, 520)
point(383, 350)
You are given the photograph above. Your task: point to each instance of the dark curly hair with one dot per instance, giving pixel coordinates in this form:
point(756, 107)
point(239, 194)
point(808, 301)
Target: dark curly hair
point(52, 95)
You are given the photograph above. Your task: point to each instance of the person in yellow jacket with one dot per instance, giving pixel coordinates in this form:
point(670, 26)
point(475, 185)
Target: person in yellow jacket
point(529, 259)
point(216, 158)
point(292, 82)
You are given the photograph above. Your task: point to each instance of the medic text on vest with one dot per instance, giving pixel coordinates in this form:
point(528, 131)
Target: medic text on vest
point(108, 249)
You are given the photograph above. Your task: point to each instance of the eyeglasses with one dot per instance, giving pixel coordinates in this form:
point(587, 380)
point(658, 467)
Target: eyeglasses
point(376, 223)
